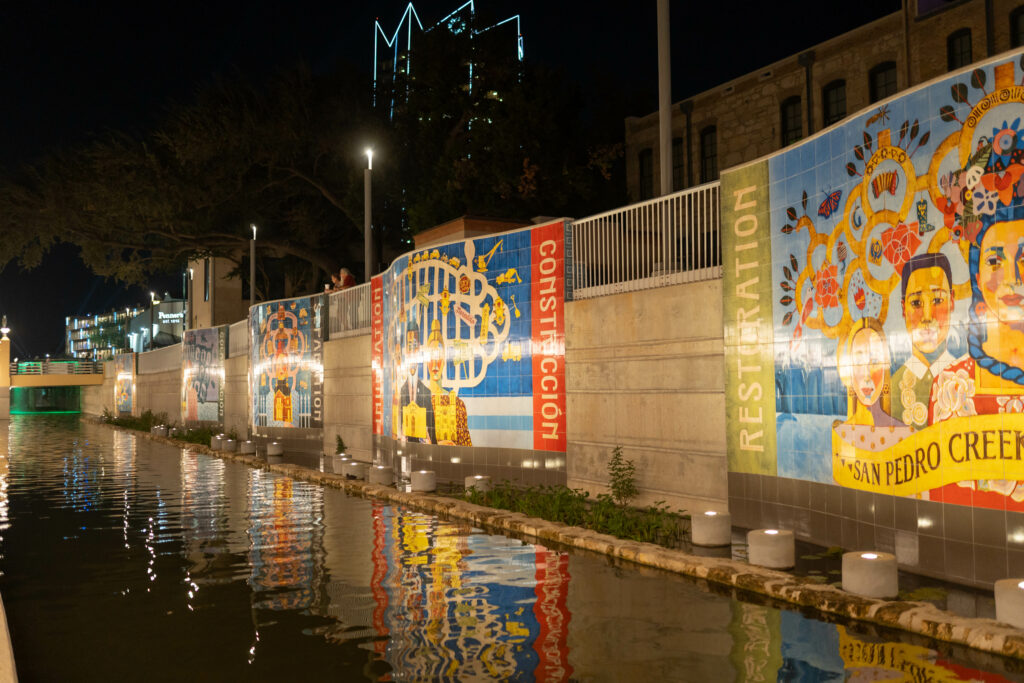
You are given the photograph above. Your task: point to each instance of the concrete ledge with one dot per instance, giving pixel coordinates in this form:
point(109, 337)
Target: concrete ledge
point(922, 618)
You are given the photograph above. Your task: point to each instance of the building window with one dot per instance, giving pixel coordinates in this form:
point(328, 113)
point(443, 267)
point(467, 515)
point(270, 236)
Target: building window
point(646, 159)
point(958, 49)
point(678, 165)
point(833, 102)
point(792, 124)
point(882, 81)
point(206, 279)
point(708, 154)
point(1017, 27)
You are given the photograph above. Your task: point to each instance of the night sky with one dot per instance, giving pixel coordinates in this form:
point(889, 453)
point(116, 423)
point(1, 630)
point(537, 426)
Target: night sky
point(72, 69)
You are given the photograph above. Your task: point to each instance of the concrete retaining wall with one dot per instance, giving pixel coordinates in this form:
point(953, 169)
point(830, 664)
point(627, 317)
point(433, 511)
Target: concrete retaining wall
point(236, 396)
point(159, 392)
point(644, 371)
point(347, 394)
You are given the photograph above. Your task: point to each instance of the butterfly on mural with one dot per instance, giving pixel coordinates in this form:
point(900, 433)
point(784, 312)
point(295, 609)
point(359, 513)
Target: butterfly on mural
point(830, 203)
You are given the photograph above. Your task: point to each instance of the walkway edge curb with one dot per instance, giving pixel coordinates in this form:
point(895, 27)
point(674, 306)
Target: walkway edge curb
point(922, 618)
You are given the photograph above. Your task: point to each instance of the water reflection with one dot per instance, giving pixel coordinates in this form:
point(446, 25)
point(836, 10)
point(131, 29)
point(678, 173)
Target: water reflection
point(257, 576)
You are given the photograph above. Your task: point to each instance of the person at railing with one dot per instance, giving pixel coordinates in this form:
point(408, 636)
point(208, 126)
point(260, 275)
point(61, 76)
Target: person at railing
point(345, 279)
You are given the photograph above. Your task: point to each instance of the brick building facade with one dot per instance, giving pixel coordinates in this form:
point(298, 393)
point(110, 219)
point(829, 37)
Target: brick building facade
point(793, 98)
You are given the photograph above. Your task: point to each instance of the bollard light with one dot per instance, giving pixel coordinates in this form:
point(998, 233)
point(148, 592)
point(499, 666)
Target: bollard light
point(381, 475)
point(711, 529)
point(772, 548)
point(479, 482)
point(424, 481)
point(1009, 595)
point(871, 574)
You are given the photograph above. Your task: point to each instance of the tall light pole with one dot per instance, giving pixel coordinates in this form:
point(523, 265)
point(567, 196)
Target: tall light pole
point(252, 267)
point(367, 235)
point(664, 98)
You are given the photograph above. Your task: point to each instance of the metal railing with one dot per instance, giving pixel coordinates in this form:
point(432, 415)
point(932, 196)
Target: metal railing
point(349, 312)
point(238, 338)
point(56, 367)
point(160, 360)
point(660, 242)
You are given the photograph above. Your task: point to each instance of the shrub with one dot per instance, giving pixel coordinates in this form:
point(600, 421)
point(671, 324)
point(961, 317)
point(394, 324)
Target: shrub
point(339, 444)
point(622, 478)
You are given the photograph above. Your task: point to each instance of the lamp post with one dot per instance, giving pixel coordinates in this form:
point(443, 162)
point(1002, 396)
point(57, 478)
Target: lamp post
point(367, 235)
point(252, 267)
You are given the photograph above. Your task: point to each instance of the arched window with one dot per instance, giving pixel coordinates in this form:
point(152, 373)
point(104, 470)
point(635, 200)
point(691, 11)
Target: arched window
point(833, 102)
point(882, 81)
point(678, 165)
point(708, 154)
point(646, 161)
point(791, 121)
point(1017, 27)
point(958, 49)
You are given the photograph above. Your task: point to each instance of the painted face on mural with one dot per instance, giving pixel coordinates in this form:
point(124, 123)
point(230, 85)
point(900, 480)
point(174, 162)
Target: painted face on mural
point(927, 308)
point(999, 273)
point(867, 365)
point(412, 347)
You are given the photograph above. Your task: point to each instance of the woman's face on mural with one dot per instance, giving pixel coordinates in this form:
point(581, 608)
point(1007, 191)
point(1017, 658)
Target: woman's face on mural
point(868, 360)
point(999, 272)
point(927, 307)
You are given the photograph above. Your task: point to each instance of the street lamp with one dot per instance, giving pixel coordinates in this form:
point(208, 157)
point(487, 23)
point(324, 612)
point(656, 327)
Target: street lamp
point(252, 267)
point(367, 235)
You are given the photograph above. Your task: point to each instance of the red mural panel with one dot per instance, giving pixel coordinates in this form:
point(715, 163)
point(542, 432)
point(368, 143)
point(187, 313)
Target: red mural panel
point(377, 361)
point(548, 336)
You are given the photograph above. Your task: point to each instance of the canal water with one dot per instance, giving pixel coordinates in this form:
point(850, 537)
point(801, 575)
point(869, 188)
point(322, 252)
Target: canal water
point(125, 559)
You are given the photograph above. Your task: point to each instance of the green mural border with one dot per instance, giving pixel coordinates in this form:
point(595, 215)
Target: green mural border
point(747, 320)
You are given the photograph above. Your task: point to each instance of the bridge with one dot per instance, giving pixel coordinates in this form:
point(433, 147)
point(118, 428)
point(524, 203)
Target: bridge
point(43, 386)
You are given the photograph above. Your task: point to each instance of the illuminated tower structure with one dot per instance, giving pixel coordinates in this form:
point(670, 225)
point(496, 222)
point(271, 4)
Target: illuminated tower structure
point(392, 55)
point(468, 50)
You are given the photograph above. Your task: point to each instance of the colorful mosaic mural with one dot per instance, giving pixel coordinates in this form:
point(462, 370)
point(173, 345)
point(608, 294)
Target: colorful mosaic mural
point(202, 374)
point(124, 383)
point(778, 645)
point(287, 363)
point(469, 343)
point(485, 611)
point(874, 301)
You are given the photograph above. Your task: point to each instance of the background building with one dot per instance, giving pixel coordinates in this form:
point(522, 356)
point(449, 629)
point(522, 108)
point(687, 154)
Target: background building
point(793, 98)
point(161, 324)
point(98, 337)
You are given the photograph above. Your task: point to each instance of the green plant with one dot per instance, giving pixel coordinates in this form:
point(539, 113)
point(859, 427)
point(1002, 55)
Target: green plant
point(200, 435)
point(655, 524)
point(622, 478)
point(339, 444)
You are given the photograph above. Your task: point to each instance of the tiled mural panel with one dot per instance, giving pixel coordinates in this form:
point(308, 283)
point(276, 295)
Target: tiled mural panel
point(874, 305)
point(202, 375)
point(468, 345)
point(286, 365)
point(124, 383)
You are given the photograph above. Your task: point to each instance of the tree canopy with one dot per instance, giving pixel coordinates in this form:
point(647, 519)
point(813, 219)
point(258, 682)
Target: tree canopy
point(286, 155)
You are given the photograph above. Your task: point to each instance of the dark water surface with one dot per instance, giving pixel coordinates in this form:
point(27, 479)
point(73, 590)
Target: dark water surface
point(124, 560)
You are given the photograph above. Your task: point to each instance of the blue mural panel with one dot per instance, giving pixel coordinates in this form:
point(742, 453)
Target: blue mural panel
point(287, 363)
point(468, 343)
